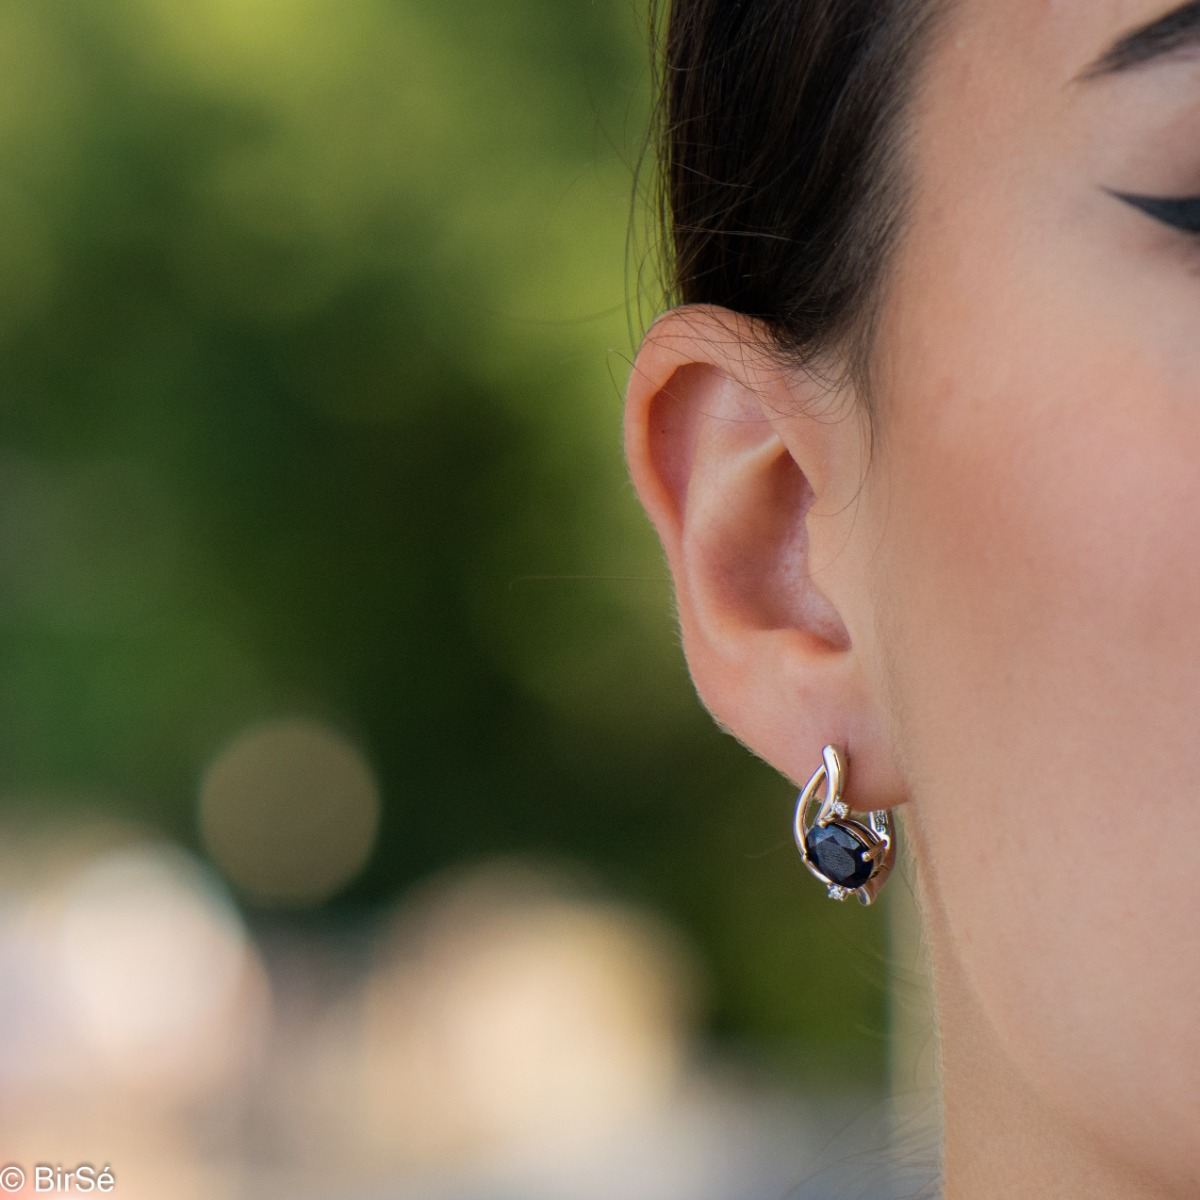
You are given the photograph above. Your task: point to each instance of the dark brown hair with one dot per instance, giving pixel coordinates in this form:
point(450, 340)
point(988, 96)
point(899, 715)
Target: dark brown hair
point(782, 180)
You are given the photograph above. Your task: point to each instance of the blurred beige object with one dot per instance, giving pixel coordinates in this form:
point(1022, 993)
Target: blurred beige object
point(508, 1019)
point(289, 811)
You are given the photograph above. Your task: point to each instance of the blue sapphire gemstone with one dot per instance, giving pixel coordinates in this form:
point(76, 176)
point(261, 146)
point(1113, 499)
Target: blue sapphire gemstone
point(839, 854)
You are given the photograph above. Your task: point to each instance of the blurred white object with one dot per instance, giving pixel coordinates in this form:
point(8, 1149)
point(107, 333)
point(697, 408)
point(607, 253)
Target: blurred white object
point(154, 964)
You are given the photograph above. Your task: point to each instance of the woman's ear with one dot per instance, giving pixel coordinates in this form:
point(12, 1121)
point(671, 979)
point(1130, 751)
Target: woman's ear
point(751, 473)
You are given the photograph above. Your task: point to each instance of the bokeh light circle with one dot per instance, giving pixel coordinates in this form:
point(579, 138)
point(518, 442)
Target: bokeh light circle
point(289, 811)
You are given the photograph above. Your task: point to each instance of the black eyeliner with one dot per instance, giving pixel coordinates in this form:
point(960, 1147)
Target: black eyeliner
point(1180, 212)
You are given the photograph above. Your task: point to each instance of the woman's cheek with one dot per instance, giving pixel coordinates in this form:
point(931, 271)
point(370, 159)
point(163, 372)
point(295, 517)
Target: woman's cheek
point(1042, 567)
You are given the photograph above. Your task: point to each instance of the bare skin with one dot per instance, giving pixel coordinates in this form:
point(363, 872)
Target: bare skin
point(996, 610)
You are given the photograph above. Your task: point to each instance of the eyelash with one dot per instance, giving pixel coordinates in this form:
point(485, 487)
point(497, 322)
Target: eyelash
point(1182, 213)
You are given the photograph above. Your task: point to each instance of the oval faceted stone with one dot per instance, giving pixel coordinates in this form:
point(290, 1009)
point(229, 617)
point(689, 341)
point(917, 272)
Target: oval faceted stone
point(837, 852)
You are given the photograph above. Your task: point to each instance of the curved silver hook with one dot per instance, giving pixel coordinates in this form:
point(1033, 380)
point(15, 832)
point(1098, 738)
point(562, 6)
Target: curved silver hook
point(832, 775)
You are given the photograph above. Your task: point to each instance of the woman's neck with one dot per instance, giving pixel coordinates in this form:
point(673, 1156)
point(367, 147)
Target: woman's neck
point(1003, 1139)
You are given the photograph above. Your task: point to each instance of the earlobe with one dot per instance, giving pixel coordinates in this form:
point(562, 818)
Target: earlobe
point(740, 467)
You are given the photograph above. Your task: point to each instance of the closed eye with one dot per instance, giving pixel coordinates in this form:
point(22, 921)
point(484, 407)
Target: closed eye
point(1181, 212)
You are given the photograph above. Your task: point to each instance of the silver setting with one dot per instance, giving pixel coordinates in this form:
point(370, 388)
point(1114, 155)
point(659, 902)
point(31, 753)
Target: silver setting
point(877, 833)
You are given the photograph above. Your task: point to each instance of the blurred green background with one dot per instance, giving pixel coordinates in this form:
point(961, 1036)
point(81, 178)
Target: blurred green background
point(313, 333)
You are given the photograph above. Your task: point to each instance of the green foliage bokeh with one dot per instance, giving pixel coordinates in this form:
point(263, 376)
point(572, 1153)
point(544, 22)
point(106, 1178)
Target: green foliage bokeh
point(313, 329)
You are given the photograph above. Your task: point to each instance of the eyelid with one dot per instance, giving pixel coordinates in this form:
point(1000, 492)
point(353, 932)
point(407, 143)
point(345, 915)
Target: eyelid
point(1180, 212)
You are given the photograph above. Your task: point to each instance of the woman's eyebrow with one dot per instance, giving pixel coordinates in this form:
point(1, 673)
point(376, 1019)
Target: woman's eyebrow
point(1177, 30)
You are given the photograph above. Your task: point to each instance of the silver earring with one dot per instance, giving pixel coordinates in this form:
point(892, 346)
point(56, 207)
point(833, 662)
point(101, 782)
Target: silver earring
point(848, 856)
